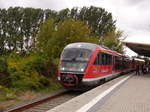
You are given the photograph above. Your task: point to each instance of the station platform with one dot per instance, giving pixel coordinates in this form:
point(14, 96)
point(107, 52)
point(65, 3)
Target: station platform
point(133, 96)
point(128, 93)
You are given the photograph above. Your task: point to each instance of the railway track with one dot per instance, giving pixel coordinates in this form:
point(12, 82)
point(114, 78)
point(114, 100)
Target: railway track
point(44, 103)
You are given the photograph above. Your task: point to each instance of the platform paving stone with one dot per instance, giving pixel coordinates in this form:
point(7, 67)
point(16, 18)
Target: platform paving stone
point(133, 96)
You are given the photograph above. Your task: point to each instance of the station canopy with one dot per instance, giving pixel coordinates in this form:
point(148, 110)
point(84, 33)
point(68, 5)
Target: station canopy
point(139, 48)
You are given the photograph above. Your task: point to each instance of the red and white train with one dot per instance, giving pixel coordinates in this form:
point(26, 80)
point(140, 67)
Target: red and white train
point(87, 65)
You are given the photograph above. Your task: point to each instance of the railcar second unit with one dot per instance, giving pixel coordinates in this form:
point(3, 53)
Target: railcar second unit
point(87, 65)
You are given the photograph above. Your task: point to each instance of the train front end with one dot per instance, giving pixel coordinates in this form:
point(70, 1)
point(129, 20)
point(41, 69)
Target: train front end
point(73, 63)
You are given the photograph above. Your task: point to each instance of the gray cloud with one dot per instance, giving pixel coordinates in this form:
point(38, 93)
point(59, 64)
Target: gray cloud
point(44, 4)
point(2, 4)
point(132, 17)
point(52, 4)
point(134, 2)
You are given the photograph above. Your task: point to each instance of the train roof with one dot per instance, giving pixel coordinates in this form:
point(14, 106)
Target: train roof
point(92, 47)
point(89, 46)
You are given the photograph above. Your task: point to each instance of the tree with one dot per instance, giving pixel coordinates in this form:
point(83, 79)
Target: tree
point(3, 30)
point(19, 26)
point(63, 15)
point(99, 19)
point(4, 75)
point(113, 40)
point(71, 31)
point(45, 34)
point(32, 18)
point(53, 38)
point(49, 14)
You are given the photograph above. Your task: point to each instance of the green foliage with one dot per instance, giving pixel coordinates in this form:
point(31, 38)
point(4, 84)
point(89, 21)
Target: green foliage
point(6, 94)
point(113, 40)
point(4, 75)
point(29, 81)
point(100, 20)
point(3, 65)
point(71, 31)
point(34, 63)
point(19, 26)
point(45, 34)
point(53, 38)
point(26, 73)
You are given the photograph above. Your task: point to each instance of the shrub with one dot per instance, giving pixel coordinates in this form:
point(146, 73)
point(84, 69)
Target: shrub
point(29, 81)
point(3, 65)
point(4, 76)
point(37, 64)
point(6, 94)
point(26, 73)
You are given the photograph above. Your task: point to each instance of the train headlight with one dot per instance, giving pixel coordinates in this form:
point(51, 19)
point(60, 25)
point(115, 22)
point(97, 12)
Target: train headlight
point(81, 69)
point(62, 68)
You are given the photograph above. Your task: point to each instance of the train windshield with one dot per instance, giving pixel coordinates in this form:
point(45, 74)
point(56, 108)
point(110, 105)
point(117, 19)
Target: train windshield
point(75, 59)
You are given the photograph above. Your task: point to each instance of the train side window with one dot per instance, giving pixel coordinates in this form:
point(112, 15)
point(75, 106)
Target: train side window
point(106, 59)
point(118, 63)
point(100, 59)
point(103, 59)
point(97, 59)
point(109, 59)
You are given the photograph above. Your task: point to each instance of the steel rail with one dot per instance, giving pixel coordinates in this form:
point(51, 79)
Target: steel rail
point(30, 104)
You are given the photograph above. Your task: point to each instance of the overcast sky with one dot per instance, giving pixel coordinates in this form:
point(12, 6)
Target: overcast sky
point(132, 16)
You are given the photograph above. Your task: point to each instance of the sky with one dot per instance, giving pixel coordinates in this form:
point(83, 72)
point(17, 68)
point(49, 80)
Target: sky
point(132, 16)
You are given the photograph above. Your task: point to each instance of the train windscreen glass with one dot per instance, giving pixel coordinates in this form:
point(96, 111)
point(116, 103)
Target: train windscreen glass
point(75, 59)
